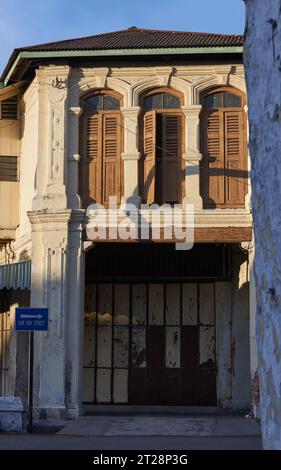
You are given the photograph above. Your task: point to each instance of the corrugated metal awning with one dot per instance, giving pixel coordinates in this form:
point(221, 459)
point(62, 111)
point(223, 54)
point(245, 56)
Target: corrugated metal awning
point(15, 275)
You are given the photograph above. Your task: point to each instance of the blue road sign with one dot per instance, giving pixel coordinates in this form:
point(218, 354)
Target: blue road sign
point(31, 319)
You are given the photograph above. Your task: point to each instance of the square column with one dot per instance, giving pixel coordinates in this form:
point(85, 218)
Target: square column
point(192, 155)
point(131, 155)
point(57, 282)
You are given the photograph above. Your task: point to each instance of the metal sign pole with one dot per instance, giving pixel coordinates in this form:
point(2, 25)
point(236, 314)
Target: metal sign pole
point(31, 319)
point(30, 400)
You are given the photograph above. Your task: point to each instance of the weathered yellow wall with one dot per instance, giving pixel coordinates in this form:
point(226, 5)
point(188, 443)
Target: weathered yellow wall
point(9, 191)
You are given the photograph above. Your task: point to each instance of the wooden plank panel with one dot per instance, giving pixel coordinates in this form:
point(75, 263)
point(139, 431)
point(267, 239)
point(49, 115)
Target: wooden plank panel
point(104, 340)
point(207, 346)
point(139, 304)
point(173, 346)
point(139, 347)
point(172, 313)
point(120, 386)
point(189, 304)
point(206, 304)
point(121, 346)
point(103, 386)
point(9, 198)
point(105, 304)
point(201, 235)
point(88, 385)
point(122, 304)
point(156, 304)
point(10, 138)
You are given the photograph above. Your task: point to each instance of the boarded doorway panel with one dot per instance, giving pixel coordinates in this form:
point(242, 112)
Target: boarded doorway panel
point(151, 344)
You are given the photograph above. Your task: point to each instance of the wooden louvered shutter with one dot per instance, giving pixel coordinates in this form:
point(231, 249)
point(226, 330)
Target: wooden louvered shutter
point(213, 163)
point(94, 157)
point(234, 158)
point(111, 156)
point(149, 147)
point(170, 158)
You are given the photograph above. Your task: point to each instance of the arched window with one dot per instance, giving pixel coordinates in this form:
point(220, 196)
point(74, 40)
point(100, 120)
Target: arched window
point(223, 141)
point(102, 170)
point(161, 164)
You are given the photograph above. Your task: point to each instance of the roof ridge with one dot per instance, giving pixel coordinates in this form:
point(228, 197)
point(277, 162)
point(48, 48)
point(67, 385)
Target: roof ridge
point(178, 32)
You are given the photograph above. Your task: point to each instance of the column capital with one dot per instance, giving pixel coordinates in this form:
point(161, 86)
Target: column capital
point(132, 111)
point(192, 112)
point(192, 156)
point(130, 156)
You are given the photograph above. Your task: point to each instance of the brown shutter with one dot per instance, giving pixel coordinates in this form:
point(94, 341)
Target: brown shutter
point(111, 156)
point(149, 147)
point(213, 162)
point(94, 157)
point(170, 158)
point(8, 168)
point(236, 179)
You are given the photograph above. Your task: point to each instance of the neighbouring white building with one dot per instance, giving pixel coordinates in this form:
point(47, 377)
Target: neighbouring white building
point(149, 117)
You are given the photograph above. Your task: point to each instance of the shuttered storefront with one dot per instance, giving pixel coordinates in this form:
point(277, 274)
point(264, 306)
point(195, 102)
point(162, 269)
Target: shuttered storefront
point(150, 344)
point(149, 340)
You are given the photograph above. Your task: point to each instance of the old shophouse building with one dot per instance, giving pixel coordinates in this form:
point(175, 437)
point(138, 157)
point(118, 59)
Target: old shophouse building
point(150, 117)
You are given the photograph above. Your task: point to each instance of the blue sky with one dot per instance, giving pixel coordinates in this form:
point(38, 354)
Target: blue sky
point(26, 22)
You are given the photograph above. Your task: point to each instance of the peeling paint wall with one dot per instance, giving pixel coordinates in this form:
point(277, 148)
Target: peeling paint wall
point(262, 56)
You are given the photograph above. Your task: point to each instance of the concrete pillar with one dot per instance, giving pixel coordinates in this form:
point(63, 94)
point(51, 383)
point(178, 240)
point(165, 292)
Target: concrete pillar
point(75, 315)
point(241, 383)
point(57, 282)
point(131, 154)
point(73, 158)
point(192, 155)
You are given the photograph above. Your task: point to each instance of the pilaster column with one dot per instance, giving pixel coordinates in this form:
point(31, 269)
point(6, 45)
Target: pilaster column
point(73, 158)
point(52, 137)
point(57, 282)
point(192, 155)
point(131, 154)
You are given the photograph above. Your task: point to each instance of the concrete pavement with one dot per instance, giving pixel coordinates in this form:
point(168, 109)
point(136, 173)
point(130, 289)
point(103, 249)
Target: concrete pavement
point(169, 432)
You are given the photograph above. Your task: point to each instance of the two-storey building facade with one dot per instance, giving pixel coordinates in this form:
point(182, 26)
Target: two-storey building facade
point(149, 117)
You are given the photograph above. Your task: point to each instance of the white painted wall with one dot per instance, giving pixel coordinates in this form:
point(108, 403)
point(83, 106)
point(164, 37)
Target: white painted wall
point(262, 60)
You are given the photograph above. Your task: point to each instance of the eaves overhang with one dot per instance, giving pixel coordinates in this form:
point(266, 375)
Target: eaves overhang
point(22, 55)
